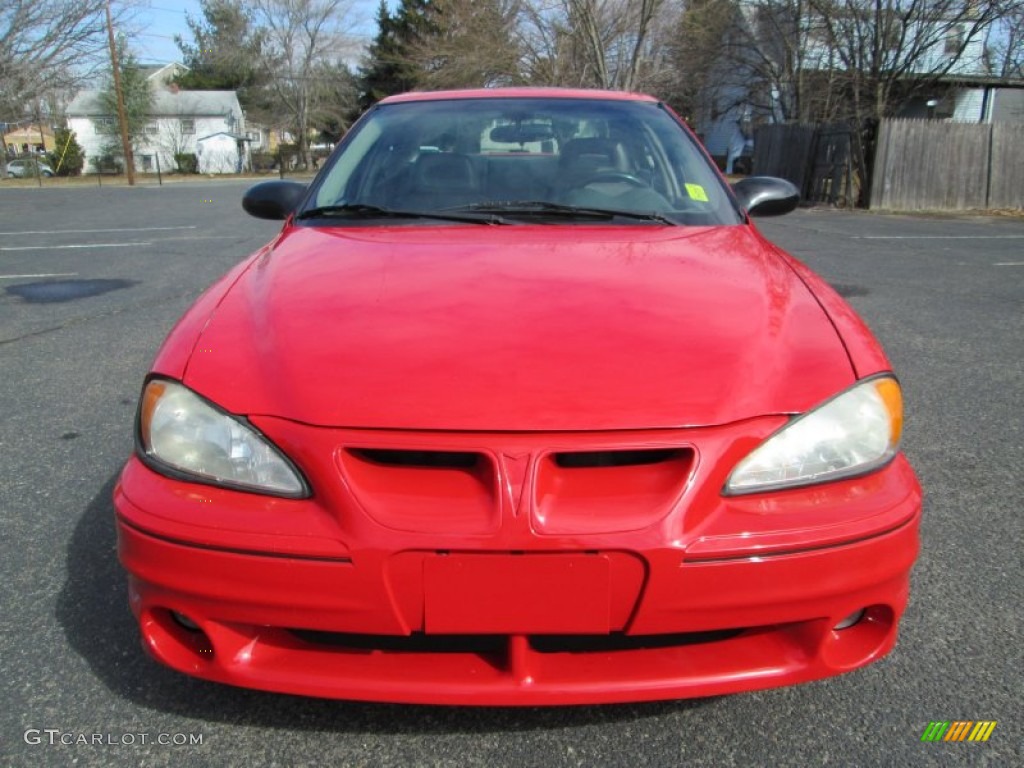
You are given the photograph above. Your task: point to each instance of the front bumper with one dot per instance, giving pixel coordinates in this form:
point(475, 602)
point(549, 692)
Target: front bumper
point(702, 597)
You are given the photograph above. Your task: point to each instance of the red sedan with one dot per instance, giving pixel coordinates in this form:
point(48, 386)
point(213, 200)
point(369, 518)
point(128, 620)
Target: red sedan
point(519, 408)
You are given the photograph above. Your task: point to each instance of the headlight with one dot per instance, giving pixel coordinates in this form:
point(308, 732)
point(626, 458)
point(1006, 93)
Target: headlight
point(182, 432)
point(853, 433)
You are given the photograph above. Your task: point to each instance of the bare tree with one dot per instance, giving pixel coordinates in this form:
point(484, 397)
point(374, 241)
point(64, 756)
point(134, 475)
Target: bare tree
point(471, 43)
point(898, 47)
point(594, 43)
point(173, 140)
point(1006, 52)
point(808, 60)
point(47, 45)
point(302, 36)
point(544, 37)
point(610, 40)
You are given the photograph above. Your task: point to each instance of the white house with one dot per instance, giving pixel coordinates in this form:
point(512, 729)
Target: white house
point(202, 123)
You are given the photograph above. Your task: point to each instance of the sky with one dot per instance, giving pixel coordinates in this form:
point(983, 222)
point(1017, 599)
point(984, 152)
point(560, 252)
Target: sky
point(154, 23)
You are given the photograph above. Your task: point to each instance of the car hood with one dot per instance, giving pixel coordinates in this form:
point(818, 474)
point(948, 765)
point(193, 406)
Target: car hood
point(518, 328)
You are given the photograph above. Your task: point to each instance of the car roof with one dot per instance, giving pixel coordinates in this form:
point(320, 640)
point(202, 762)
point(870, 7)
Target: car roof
point(518, 93)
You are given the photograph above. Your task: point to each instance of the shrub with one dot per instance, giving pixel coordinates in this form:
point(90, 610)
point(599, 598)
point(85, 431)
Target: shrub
point(187, 162)
point(263, 161)
point(108, 164)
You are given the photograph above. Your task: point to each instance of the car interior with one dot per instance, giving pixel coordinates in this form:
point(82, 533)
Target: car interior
point(457, 160)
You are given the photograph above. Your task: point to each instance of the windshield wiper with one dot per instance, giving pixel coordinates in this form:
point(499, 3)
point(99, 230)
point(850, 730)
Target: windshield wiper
point(366, 211)
point(546, 208)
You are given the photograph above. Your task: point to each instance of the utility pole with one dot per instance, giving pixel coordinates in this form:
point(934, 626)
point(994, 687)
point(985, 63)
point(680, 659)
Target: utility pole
point(122, 116)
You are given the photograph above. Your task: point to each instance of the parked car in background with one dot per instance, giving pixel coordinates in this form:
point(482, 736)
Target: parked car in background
point(519, 407)
point(26, 167)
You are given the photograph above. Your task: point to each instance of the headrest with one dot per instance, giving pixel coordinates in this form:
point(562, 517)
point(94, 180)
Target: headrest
point(444, 171)
point(594, 155)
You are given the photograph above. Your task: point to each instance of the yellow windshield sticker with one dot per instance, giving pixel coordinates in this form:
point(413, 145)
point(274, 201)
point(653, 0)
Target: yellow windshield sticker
point(697, 192)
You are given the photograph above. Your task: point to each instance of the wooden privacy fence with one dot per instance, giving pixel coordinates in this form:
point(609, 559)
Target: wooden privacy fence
point(933, 165)
point(825, 162)
point(784, 151)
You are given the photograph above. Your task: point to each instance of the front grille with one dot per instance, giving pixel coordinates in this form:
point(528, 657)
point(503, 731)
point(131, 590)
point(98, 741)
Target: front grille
point(583, 486)
point(419, 642)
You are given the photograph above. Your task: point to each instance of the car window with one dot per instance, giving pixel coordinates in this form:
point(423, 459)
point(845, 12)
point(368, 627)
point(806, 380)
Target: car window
point(464, 154)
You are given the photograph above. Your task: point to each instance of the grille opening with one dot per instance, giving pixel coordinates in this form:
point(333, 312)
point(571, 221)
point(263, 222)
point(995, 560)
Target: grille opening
point(428, 459)
point(617, 641)
point(424, 490)
point(618, 489)
point(592, 459)
point(419, 642)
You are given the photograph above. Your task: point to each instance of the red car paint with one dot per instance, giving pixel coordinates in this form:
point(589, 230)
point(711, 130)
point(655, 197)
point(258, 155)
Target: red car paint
point(455, 328)
point(516, 570)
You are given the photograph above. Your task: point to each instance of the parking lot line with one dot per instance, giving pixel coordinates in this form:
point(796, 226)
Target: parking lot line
point(938, 237)
point(42, 274)
point(95, 231)
point(64, 247)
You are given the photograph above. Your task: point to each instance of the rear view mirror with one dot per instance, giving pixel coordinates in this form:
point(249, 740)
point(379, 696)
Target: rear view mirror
point(521, 133)
point(766, 195)
point(273, 199)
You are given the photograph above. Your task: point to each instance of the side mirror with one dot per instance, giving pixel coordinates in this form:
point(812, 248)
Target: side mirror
point(273, 199)
point(766, 195)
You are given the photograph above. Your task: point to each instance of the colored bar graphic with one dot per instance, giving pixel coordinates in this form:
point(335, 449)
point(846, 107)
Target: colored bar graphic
point(958, 730)
point(982, 730)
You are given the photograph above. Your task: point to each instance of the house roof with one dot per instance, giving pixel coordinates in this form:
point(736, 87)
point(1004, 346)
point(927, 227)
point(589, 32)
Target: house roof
point(28, 132)
point(228, 134)
point(165, 104)
point(982, 80)
point(162, 73)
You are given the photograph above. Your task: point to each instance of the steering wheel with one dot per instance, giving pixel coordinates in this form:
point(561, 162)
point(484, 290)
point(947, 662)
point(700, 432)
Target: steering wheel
point(611, 177)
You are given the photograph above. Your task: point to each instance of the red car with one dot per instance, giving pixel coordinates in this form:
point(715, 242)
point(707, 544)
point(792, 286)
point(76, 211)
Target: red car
point(519, 408)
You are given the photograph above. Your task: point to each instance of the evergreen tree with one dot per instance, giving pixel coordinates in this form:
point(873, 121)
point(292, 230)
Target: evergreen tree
point(390, 66)
point(226, 52)
point(68, 157)
point(138, 101)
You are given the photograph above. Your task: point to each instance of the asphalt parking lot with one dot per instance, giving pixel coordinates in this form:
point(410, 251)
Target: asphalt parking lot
point(91, 280)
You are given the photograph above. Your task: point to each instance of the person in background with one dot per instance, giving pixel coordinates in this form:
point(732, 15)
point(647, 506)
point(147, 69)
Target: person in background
point(737, 142)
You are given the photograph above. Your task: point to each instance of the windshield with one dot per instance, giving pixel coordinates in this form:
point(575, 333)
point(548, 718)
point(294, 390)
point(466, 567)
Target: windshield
point(545, 159)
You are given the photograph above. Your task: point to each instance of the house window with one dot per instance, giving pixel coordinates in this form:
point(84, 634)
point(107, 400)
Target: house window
point(152, 129)
point(104, 124)
point(954, 41)
point(188, 126)
point(147, 163)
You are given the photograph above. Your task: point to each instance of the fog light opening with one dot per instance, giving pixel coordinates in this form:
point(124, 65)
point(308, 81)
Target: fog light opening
point(185, 621)
point(850, 620)
point(175, 639)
